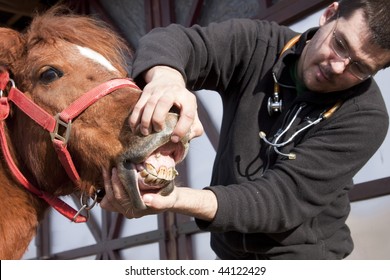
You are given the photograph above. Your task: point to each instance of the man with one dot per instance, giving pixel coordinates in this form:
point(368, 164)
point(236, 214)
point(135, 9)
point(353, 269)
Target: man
point(283, 195)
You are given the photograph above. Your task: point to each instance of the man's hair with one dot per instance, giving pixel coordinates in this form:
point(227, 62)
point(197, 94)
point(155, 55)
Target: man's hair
point(377, 14)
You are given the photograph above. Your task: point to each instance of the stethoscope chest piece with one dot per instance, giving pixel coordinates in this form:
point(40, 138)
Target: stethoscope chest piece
point(274, 105)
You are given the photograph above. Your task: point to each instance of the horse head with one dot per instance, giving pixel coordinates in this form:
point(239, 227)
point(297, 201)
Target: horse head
point(58, 63)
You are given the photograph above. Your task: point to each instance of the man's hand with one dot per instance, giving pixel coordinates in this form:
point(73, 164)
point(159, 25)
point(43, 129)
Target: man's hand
point(200, 204)
point(117, 199)
point(166, 89)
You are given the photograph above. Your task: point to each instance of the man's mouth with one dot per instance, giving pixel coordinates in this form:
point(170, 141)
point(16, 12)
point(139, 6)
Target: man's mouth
point(322, 75)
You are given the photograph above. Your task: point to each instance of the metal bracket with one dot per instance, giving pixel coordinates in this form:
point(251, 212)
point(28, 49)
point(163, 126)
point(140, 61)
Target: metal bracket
point(66, 129)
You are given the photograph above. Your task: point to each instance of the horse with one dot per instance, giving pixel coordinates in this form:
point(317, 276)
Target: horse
point(64, 107)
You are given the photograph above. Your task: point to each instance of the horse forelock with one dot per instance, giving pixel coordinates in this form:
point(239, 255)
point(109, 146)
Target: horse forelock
point(55, 25)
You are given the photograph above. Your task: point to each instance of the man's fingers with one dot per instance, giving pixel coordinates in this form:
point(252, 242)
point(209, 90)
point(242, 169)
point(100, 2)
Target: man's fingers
point(116, 198)
point(196, 128)
point(108, 202)
point(137, 112)
point(188, 123)
point(118, 190)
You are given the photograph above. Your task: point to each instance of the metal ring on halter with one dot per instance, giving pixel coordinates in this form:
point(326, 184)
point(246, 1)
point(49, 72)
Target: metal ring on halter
point(84, 201)
point(79, 212)
point(85, 206)
point(13, 85)
point(12, 82)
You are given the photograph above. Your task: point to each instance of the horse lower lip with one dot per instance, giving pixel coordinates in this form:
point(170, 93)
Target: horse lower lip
point(129, 178)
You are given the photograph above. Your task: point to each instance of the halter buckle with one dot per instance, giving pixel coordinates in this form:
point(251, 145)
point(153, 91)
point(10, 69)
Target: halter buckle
point(66, 128)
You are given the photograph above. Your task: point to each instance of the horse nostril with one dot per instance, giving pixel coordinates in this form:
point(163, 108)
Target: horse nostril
point(127, 164)
point(100, 194)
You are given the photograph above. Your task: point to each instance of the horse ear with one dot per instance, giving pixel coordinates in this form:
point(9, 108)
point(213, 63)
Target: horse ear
point(11, 47)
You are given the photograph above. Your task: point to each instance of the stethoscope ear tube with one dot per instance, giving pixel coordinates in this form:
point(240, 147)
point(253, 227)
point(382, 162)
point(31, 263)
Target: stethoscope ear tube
point(333, 109)
point(275, 103)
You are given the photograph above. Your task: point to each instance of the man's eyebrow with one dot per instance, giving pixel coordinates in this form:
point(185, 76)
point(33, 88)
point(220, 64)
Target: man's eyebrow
point(345, 42)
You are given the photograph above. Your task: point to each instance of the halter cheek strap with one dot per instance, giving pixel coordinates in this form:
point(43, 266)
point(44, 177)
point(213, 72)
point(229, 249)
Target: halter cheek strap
point(64, 119)
point(52, 124)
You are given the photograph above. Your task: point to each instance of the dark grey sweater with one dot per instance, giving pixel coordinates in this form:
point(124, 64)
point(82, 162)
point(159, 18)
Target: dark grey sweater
point(270, 207)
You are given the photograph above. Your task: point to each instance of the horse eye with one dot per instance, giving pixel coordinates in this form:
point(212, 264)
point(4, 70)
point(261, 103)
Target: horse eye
point(50, 75)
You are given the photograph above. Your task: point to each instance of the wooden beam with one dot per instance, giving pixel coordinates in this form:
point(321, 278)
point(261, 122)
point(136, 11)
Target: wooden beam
point(159, 13)
point(42, 239)
point(21, 7)
point(287, 12)
point(371, 189)
point(195, 12)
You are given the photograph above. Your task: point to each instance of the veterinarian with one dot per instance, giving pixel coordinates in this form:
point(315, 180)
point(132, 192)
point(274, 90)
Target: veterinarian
point(301, 116)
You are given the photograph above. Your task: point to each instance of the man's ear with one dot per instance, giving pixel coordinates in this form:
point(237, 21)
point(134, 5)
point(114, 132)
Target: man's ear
point(329, 13)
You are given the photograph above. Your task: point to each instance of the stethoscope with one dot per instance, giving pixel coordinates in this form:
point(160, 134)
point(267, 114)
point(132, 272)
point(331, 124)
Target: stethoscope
point(275, 106)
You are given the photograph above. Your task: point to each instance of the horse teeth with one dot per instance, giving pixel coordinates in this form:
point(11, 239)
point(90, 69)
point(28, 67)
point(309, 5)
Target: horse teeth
point(150, 169)
point(162, 177)
point(144, 173)
point(162, 172)
point(170, 174)
point(150, 179)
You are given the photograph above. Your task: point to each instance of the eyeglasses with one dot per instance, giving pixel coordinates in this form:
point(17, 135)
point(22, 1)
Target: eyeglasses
point(360, 71)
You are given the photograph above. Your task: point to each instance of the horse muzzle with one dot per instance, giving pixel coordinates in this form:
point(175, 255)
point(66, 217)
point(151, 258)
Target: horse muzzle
point(151, 166)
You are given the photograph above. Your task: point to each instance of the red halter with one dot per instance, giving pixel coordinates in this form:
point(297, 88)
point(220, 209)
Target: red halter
point(51, 124)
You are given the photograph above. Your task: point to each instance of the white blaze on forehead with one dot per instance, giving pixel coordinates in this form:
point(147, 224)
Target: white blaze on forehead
point(97, 57)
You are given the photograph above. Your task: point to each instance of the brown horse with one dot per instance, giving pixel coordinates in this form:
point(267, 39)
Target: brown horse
point(57, 130)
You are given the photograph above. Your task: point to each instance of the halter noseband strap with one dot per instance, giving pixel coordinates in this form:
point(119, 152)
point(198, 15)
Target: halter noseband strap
point(52, 124)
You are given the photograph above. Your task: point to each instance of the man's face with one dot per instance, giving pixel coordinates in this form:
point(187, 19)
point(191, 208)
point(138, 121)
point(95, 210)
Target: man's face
point(321, 67)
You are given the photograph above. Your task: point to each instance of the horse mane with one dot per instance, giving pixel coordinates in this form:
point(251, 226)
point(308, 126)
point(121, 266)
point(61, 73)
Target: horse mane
point(60, 23)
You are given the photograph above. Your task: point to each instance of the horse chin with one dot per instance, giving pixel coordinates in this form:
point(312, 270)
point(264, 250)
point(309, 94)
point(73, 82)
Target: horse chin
point(155, 174)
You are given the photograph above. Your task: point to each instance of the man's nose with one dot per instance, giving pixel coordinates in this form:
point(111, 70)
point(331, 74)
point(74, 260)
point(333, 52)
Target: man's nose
point(340, 65)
